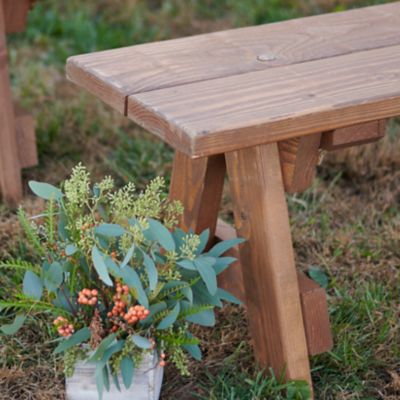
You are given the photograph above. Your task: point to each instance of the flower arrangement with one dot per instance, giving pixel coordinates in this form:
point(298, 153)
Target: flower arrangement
point(118, 276)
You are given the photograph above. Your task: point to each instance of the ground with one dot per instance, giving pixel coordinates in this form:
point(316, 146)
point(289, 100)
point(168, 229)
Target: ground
point(347, 224)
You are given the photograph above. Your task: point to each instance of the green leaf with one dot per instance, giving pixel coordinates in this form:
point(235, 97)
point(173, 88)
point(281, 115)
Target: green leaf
point(99, 376)
point(319, 276)
point(203, 318)
point(116, 382)
point(113, 268)
point(109, 230)
point(45, 190)
point(128, 257)
point(131, 278)
point(170, 318)
point(32, 285)
point(78, 337)
point(141, 342)
point(187, 264)
point(100, 266)
point(222, 247)
point(70, 249)
point(102, 347)
point(204, 236)
point(205, 267)
point(222, 263)
point(161, 234)
point(127, 369)
point(151, 271)
point(11, 329)
point(224, 295)
point(53, 277)
point(193, 350)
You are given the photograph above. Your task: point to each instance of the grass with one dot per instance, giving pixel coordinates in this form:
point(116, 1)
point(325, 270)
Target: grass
point(347, 224)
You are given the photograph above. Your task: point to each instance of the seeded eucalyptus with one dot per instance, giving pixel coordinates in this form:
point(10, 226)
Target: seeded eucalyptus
point(118, 276)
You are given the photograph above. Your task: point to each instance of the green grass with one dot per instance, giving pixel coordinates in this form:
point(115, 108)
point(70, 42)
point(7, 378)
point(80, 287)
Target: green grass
point(347, 224)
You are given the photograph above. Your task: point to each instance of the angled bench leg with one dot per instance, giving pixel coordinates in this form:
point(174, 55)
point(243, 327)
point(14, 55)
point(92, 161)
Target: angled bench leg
point(267, 258)
point(10, 179)
point(198, 184)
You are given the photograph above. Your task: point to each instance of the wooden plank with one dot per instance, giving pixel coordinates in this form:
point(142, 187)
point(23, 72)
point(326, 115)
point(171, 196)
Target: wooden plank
point(353, 135)
point(16, 13)
point(230, 113)
point(270, 278)
point(112, 75)
point(10, 179)
point(299, 159)
point(198, 184)
point(313, 298)
point(316, 316)
point(26, 138)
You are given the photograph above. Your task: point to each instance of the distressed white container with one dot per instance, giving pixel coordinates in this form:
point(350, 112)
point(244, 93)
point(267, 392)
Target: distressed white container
point(146, 385)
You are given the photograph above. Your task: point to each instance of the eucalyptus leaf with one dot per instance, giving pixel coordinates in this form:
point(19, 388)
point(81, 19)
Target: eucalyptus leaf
point(222, 263)
point(45, 190)
point(32, 285)
point(204, 266)
point(224, 295)
point(131, 278)
point(203, 318)
point(204, 236)
point(187, 264)
point(161, 234)
point(109, 230)
point(222, 247)
point(141, 342)
point(15, 326)
point(70, 249)
point(102, 347)
point(127, 369)
point(151, 271)
point(169, 320)
point(78, 337)
point(193, 350)
point(128, 257)
point(100, 266)
point(53, 277)
point(319, 276)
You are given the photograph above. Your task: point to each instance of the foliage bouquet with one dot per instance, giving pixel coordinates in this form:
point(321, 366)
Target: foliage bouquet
point(118, 277)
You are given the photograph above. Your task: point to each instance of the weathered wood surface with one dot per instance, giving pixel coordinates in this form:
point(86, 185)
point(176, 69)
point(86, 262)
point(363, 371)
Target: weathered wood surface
point(113, 75)
point(260, 107)
point(270, 278)
point(26, 137)
point(198, 185)
point(10, 180)
point(353, 135)
point(15, 14)
point(313, 298)
point(299, 159)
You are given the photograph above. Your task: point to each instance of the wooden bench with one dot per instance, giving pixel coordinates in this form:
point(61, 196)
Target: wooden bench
point(17, 128)
point(260, 103)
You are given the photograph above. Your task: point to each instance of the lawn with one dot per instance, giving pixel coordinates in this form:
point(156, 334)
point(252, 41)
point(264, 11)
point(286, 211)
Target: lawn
point(347, 225)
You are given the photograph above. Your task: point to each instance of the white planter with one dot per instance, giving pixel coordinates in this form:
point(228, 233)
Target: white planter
point(146, 383)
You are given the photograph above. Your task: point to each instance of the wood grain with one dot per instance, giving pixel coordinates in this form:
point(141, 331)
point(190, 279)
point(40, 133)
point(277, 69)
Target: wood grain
point(198, 184)
point(299, 159)
point(353, 135)
point(113, 75)
point(15, 14)
point(10, 180)
point(230, 113)
point(270, 279)
point(313, 298)
point(26, 138)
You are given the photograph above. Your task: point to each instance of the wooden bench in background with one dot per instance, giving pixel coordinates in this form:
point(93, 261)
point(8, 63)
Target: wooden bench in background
point(259, 103)
point(17, 128)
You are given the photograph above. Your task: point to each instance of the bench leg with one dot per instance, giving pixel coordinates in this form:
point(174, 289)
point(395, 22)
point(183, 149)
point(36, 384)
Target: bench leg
point(198, 184)
point(267, 258)
point(10, 179)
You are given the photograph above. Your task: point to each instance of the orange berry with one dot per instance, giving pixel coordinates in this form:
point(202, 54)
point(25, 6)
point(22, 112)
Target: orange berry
point(162, 355)
point(162, 363)
point(95, 292)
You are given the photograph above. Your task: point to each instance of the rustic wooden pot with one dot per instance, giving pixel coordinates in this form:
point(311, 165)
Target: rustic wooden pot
point(146, 382)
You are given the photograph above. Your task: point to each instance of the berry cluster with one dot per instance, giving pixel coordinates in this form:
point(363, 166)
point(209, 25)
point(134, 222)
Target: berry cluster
point(119, 303)
point(64, 328)
point(88, 297)
point(136, 313)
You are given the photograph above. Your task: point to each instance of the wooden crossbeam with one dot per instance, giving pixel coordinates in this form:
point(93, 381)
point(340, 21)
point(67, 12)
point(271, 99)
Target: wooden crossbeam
point(313, 298)
point(15, 14)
